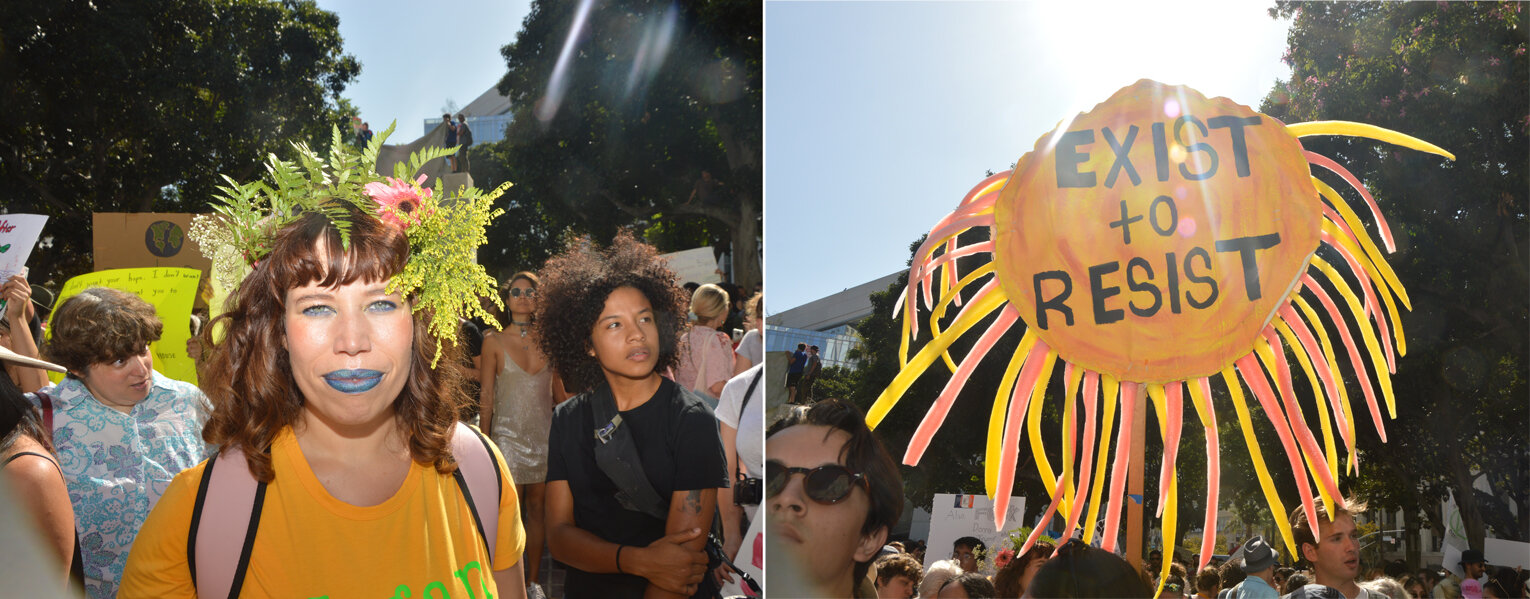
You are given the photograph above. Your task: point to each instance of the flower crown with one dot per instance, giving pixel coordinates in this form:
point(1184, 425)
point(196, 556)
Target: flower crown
point(444, 228)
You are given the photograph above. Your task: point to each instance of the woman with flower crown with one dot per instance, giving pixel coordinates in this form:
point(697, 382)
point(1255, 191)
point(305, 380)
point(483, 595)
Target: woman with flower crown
point(337, 430)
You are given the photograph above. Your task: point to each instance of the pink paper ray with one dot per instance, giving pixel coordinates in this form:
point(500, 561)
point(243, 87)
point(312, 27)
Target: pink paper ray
point(1304, 438)
point(1354, 353)
point(1381, 221)
point(1372, 307)
point(1213, 475)
point(1315, 354)
point(1175, 415)
point(1129, 396)
point(1019, 400)
point(936, 416)
point(1253, 374)
point(1086, 459)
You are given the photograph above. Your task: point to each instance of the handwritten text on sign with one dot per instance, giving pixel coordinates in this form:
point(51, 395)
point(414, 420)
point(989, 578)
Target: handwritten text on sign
point(171, 291)
point(1157, 222)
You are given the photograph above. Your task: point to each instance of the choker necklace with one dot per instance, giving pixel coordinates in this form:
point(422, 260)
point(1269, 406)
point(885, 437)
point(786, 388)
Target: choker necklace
point(523, 325)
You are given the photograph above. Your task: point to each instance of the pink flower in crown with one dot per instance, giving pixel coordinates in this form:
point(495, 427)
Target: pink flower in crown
point(398, 196)
point(1003, 559)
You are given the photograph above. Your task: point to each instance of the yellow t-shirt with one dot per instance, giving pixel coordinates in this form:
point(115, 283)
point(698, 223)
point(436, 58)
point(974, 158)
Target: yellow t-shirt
point(422, 542)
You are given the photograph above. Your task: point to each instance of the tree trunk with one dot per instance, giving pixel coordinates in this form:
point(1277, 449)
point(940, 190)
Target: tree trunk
point(1413, 549)
point(1466, 501)
point(746, 244)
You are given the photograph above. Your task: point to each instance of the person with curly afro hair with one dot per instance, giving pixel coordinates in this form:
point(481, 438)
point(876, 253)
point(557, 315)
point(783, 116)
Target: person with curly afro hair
point(609, 321)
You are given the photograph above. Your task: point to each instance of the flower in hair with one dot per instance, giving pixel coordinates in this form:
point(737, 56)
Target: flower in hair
point(444, 227)
point(399, 200)
point(1003, 558)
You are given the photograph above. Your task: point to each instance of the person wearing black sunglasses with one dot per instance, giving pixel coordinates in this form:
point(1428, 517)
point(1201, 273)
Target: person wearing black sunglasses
point(833, 493)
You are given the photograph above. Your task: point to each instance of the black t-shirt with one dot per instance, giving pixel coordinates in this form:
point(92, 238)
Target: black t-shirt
point(676, 435)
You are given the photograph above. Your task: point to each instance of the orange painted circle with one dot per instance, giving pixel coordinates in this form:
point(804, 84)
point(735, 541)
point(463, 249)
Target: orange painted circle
point(1061, 239)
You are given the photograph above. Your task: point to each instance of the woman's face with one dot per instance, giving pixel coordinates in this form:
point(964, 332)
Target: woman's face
point(625, 339)
point(351, 348)
point(521, 297)
point(120, 385)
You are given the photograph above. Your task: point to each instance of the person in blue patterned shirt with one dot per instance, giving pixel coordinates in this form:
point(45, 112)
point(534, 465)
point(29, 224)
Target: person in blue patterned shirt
point(121, 430)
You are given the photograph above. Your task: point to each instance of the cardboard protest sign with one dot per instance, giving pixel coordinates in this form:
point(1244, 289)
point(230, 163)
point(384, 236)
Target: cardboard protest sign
point(18, 235)
point(1154, 244)
point(170, 290)
point(954, 516)
point(695, 265)
point(144, 239)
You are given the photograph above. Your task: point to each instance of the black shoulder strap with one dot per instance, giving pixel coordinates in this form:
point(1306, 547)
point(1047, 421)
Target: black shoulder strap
point(749, 393)
point(617, 456)
point(236, 497)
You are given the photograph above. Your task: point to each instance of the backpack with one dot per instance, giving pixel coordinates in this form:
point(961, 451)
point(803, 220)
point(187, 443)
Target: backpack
point(229, 497)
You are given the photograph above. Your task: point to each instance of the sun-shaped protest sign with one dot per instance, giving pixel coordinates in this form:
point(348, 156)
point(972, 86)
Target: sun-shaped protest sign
point(1153, 244)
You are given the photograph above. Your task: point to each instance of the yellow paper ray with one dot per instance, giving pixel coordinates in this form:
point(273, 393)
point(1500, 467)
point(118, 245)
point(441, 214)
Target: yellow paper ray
point(1267, 358)
point(1072, 375)
point(1169, 509)
point(1000, 408)
point(1109, 387)
point(1366, 332)
point(1353, 129)
point(1386, 298)
point(1033, 420)
point(947, 299)
point(1364, 237)
point(1333, 366)
point(971, 315)
point(1277, 509)
point(1319, 396)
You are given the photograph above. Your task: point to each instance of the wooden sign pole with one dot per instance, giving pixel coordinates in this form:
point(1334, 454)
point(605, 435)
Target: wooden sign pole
point(1133, 545)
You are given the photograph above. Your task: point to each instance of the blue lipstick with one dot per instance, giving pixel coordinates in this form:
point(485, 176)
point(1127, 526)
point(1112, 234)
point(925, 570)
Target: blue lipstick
point(353, 381)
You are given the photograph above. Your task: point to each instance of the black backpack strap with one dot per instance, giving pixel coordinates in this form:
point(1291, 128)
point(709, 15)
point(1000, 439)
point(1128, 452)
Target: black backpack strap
point(617, 456)
point(749, 392)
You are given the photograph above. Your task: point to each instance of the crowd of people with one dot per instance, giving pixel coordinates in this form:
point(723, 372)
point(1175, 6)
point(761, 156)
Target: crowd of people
point(829, 538)
point(621, 428)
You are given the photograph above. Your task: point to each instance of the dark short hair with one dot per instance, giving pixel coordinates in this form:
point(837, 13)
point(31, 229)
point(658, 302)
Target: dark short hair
point(461, 117)
point(801, 346)
point(813, 347)
point(975, 584)
point(1231, 573)
point(1207, 579)
point(1306, 532)
point(1081, 571)
point(862, 453)
point(100, 325)
point(973, 542)
point(445, 116)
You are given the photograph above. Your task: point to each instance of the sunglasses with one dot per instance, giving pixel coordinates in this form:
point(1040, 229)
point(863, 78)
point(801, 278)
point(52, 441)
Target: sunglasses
point(517, 292)
point(829, 483)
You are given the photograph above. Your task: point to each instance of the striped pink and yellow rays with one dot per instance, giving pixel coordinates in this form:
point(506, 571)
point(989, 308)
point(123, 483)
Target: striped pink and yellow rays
point(1363, 290)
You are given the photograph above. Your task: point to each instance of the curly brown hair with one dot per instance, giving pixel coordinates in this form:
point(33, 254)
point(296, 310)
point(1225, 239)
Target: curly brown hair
point(248, 376)
point(574, 288)
point(100, 325)
point(1007, 579)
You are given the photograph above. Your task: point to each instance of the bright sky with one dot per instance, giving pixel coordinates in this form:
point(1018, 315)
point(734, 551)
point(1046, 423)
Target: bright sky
point(880, 116)
point(416, 56)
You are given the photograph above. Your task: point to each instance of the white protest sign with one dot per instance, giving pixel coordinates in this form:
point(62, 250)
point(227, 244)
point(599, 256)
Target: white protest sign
point(18, 235)
point(955, 516)
point(1499, 552)
point(695, 265)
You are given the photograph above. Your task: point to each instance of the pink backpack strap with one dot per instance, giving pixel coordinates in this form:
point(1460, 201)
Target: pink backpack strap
point(477, 475)
point(223, 525)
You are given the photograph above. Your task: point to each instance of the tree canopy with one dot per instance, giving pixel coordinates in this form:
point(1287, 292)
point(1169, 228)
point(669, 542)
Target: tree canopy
point(1455, 75)
point(620, 107)
point(138, 106)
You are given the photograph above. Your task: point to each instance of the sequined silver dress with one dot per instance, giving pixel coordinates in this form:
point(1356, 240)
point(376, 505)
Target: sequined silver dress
point(523, 411)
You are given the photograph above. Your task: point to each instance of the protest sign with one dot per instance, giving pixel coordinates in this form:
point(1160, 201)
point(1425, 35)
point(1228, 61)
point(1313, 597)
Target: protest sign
point(695, 265)
point(1153, 244)
point(170, 290)
point(954, 516)
point(144, 239)
point(18, 235)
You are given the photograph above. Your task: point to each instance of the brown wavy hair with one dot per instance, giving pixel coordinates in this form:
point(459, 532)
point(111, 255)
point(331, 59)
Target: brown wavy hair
point(100, 325)
point(249, 378)
point(573, 291)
